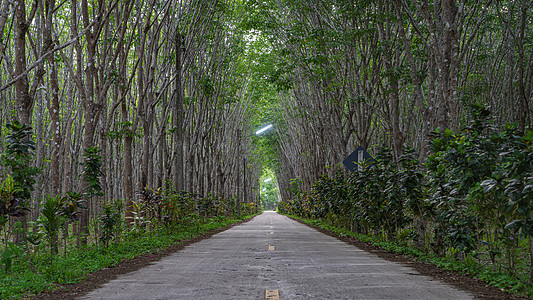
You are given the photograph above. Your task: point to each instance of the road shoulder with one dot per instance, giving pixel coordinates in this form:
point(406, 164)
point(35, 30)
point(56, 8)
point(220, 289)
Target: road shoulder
point(474, 286)
point(97, 279)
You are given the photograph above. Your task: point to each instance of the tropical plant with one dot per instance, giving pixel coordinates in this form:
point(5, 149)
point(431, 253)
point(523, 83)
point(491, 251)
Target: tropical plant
point(8, 200)
point(110, 219)
point(472, 199)
point(18, 156)
point(52, 219)
point(413, 190)
point(139, 221)
point(153, 201)
point(72, 205)
point(12, 251)
point(92, 172)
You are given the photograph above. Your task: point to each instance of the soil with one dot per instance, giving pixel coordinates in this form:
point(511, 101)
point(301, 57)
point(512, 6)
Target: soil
point(478, 288)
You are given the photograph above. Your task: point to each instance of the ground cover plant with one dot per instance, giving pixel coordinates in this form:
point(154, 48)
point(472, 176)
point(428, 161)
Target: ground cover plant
point(114, 241)
point(49, 270)
point(32, 261)
point(468, 207)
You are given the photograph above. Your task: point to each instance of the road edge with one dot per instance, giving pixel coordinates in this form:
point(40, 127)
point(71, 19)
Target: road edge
point(477, 287)
point(98, 278)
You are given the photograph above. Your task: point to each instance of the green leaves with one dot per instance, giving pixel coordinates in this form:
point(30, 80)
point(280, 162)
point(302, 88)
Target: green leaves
point(17, 157)
point(477, 190)
point(12, 251)
point(489, 185)
point(51, 219)
point(124, 129)
point(91, 172)
point(19, 141)
point(8, 200)
point(72, 205)
point(110, 219)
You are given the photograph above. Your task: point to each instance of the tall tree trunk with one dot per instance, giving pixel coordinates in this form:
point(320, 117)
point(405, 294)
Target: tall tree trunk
point(67, 152)
point(179, 183)
point(143, 106)
point(446, 54)
point(418, 96)
point(91, 112)
point(128, 133)
point(88, 142)
point(24, 100)
point(523, 104)
point(53, 108)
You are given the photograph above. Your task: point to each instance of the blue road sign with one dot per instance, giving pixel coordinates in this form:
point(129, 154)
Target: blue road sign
point(352, 162)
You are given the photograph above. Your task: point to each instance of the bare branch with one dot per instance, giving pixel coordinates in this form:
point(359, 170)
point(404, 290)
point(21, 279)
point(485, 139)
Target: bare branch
point(40, 60)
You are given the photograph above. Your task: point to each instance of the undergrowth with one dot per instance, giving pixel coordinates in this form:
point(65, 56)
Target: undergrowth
point(51, 271)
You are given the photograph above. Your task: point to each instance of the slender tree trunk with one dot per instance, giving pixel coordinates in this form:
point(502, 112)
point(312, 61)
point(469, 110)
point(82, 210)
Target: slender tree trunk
point(179, 183)
point(447, 58)
point(53, 108)
point(530, 259)
point(91, 109)
point(147, 139)
point(128, 171)
point(418, 94)
point(88, 142)
point(523, 105)
point(67, 155)
point(142, 108)
point(24, 100)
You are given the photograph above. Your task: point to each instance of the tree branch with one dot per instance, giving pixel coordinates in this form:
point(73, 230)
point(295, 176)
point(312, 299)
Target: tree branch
point(40, 60)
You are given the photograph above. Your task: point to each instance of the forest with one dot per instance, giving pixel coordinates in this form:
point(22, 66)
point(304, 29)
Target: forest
point(125, 119)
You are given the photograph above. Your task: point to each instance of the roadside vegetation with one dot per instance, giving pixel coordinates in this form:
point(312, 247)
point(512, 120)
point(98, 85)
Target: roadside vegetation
point(53, 255)
point(47, 271)
point(468, 207)
point(52, 251)
point(115, 107)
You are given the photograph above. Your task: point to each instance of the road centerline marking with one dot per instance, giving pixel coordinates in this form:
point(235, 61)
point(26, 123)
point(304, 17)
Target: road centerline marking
point(271, 295)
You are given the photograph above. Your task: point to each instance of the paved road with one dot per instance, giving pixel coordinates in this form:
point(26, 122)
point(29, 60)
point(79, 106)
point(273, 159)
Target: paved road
point(272, 255)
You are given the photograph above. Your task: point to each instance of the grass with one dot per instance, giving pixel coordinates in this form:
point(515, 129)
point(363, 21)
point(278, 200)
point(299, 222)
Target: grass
point(21, 281)
point(470, 265)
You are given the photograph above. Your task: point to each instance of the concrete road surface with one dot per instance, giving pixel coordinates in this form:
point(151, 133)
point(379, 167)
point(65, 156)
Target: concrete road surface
point(273, 257)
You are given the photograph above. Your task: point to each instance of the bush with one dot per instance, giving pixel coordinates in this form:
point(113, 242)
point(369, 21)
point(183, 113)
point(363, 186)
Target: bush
point(473, 195)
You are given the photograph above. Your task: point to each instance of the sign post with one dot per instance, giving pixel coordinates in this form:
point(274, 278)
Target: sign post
point(360, 157)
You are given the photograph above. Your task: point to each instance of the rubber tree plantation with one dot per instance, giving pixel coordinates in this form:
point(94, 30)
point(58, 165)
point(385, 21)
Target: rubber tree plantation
point(128, 126)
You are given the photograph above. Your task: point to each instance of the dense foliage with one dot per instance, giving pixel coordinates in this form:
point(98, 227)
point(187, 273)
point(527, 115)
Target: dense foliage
point(471, 199)
point(161, 219)
point(48, 272)
point(112, 96)
point(386, 73)
point(33, 262)
point(17, 157)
